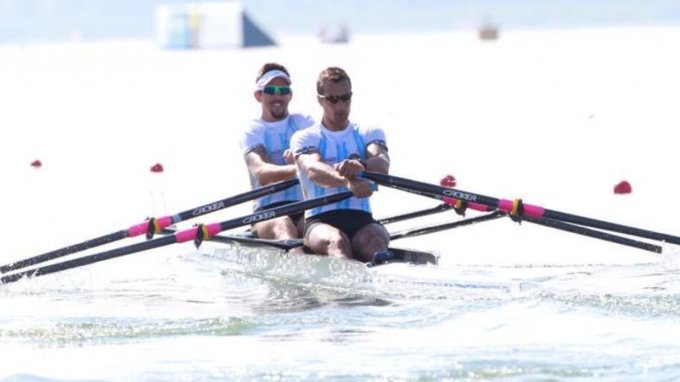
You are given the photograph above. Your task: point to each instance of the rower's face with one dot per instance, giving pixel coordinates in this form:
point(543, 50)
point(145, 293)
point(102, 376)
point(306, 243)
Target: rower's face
point(336, 102)
point(274, 106)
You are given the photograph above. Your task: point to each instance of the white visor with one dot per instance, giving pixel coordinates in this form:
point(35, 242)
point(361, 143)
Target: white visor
point(270, 75)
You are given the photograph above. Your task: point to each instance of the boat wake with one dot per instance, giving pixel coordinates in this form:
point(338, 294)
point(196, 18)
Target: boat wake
point(392, 280)
point(577, 283)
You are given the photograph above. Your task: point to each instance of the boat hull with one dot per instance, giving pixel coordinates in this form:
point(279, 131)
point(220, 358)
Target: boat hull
point(400, 255)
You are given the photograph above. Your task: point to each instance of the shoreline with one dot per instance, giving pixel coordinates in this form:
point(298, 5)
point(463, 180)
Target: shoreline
point(290, 40)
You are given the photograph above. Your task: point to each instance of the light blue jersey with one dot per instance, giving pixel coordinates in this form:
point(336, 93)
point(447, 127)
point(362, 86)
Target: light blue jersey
point(275, 138)
point(334, 147)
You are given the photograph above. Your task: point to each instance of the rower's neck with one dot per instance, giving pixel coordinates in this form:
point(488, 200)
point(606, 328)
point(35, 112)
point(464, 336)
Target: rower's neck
point(335, 126)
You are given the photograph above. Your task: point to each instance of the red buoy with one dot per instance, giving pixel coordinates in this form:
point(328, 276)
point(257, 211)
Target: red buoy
point(36, 163)
point(156, 168)
point(448, 181)
point(623, 187)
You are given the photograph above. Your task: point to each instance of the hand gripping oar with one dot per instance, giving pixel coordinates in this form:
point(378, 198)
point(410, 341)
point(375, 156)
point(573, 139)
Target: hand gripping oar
point(151, 226)
point(515, 208)
point(197, 234)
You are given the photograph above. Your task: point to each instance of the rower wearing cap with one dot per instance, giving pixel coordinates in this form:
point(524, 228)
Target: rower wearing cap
point(266, 148)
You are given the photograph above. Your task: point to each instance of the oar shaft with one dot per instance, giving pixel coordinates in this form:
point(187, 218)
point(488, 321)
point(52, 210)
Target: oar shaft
point(64, 251)
point(441, 227)
point(181, 236)
point(143, 228)
point(595, 234)
point(234, 200)
point(509, 206)
point(85, 260)
point(416, 214)
point(447, 195)
point(166, 221)
point(431, 190)
point(556, 215)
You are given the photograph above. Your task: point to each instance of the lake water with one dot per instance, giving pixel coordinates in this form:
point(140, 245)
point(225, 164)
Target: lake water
point(554, 117)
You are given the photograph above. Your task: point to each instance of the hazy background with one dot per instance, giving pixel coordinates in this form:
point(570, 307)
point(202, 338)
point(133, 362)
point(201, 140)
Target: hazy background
point(62, 20)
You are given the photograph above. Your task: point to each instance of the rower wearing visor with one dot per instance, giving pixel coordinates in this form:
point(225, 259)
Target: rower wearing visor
point(330, 157)
point(266, 148)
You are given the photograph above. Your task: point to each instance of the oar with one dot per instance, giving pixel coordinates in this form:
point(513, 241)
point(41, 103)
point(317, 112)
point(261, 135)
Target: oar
point(294, 243)
point(197, 234)
point(580, 230)
point(287, 245)
point(416, 214)
point(151, 226)
point(544, 222)
point(514, 208)
point(444, 226)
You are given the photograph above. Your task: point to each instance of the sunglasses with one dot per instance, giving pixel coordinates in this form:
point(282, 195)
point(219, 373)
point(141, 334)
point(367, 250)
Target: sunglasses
point(276, 90)
point(336, 99)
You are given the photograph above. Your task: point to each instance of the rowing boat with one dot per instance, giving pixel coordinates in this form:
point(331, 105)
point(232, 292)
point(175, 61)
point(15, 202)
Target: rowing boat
point(247, 241)
point(410, 273)
point(452, 199)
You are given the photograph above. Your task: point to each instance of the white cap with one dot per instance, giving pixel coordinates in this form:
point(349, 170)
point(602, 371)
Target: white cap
point(270, 75)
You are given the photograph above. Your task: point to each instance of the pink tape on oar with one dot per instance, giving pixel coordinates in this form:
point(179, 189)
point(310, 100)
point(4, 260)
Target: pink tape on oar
point(505, 205)
point(449, 200)
point(143, 228)
point(527, 209)
point(138, 229)
point(163, 222)
point(186, 235)
point(190, 234)
point(478, 207)
point(212, 229)
point(533, 211)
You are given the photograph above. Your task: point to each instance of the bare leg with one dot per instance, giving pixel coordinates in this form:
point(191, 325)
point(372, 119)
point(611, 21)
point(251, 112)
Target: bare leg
point(277, 229)
point(368, 240)
point(324, 239)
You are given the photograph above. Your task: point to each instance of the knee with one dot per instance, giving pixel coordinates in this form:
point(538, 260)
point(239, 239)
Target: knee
point(337, 241)
point(331, 242)
point(373, 239)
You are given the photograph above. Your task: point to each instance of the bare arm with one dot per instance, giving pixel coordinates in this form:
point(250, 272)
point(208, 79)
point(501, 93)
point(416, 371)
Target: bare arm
point(260, 166)
point(319, 172)
point(328, 176)
point(378, 160)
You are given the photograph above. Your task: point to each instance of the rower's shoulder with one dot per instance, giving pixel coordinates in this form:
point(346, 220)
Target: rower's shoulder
point(302, 121)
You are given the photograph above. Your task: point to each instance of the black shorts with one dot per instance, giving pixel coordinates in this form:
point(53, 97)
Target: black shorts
point(347, 221)
point(296, 218)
